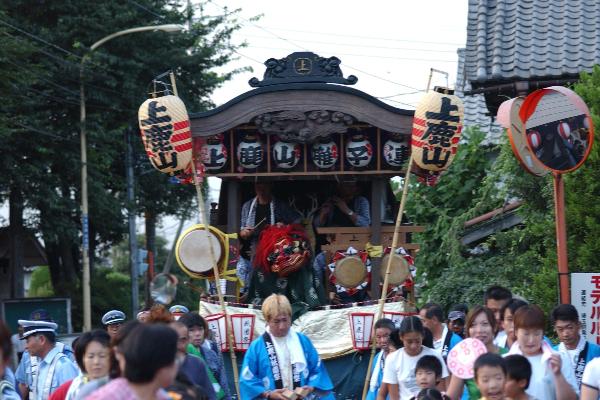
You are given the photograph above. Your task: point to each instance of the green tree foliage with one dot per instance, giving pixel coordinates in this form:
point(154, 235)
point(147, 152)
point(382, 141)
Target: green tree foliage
point(40, 283)
point(39, 126)
point(522, 258)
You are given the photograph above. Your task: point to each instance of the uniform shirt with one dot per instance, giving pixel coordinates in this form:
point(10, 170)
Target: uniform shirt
point(64, 370)
point(400, 370)
point(23, 372)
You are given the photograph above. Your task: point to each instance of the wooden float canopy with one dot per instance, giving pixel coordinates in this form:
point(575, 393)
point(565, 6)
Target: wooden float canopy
point(304, 99)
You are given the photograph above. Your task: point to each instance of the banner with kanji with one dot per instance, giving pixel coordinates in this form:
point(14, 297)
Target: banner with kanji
point(585, 297)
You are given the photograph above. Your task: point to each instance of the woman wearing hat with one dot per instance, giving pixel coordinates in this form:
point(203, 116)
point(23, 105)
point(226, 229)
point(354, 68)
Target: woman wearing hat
point(282, 360)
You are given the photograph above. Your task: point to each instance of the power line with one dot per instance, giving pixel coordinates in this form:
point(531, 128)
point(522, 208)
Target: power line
point(363, 45)
point(369, 37)
point(365, 55)
point(305, 49)
point(31, 35)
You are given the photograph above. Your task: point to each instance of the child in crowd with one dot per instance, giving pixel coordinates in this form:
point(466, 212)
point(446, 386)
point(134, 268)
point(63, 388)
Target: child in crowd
point(490, 376)
point(518, 375)
point(399, 371)
point(430, 394)
point(429, 374)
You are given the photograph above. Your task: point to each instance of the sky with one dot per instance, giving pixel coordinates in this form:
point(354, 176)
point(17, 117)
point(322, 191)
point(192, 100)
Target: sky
point(389, 45)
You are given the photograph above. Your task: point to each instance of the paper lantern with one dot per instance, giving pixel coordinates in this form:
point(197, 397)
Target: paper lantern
point(218, 327)
point(359, 151)
point(395, 151)
point(243, 330)
point(286, 155)
point(361, 327)
point(165, 129)
point(564, 130)
point(325, 154)
point(395, 317)
point(250, 152)
point(534, 139)
point(213, 154)
point(436, 129)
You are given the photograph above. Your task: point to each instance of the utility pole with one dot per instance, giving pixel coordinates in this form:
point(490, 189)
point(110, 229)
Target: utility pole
point(133, 247)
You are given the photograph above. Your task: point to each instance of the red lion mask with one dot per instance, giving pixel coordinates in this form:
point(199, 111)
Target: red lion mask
point(282, 250)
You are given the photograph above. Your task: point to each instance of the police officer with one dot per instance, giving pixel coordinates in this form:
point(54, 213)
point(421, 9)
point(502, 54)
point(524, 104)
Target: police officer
point(28, 367)
point(178, 310)
point(113, 320)
point(49, 366)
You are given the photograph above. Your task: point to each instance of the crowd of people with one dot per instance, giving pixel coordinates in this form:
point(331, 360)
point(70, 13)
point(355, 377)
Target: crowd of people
point(168, 354)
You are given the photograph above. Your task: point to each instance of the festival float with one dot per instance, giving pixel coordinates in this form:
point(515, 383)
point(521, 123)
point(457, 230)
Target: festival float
point(304, 129)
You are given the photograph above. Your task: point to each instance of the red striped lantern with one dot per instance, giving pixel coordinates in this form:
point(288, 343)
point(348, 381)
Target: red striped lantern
point(535, 139)
point(243, 330)
point(165, 129)
point(437, 125)
point(564, 130)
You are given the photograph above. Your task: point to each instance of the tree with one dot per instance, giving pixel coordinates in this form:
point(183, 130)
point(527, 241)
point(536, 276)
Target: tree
point(117, 78)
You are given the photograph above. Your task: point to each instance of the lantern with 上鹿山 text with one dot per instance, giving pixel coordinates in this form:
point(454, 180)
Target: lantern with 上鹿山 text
point(165, 129)
point(243, 330)
point(361, 326)
point(218, 327)
point(437, 125)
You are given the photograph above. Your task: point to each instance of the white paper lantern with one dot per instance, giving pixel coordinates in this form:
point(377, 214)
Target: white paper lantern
point(218, 327)
point(564, 130)
point(286, 155)
point(250, 152)
point(361, 326)
point(213, 155)
point(395, 317)
point(437, 125)
point(395, 152)
point(243, 330)
point(165, 129)
point(325, 154)
point(535, 139)
point(359, 151)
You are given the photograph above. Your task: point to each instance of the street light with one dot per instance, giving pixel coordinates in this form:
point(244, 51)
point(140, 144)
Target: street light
point(87, 314)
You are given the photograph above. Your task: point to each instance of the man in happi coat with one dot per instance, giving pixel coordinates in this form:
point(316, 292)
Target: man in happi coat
point(282, 360)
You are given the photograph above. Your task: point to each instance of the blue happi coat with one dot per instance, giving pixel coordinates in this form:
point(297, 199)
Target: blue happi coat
point(257, 375)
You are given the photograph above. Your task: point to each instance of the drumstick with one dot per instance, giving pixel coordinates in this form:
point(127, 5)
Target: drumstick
point(259, 222)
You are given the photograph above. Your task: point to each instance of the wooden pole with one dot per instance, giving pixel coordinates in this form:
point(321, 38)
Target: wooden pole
point(561, 238)
point(388, 269)
point(213, 259)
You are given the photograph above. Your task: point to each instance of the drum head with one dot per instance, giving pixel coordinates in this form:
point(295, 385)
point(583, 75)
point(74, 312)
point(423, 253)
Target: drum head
point(193, 251)
point(399, 270)
point(350, 272)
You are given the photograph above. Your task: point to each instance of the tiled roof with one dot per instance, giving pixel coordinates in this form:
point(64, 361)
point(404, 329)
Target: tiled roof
point(476, 112)
point(522, 39)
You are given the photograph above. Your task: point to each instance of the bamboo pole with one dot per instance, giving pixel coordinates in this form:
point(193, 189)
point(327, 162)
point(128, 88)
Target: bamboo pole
point(388, 270)
point(213, 259)
point(392, 250)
